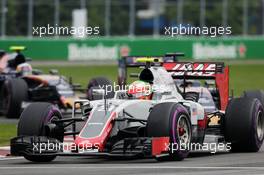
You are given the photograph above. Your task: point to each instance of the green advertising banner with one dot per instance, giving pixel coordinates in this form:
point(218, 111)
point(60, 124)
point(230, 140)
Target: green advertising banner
point(114, 47)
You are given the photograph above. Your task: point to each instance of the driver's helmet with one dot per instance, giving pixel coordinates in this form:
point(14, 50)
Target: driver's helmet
point(140, 90)
point(24, 69)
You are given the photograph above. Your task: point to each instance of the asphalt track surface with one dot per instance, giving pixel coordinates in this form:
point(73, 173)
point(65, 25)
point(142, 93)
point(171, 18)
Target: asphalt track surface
point(196, 163)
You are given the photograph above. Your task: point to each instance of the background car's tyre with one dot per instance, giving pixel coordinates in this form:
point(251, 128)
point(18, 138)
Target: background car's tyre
point(32, 123)
point(244, 124)
point(172, 120)
point(259, 94)
point(15, 91)
point(96, 83)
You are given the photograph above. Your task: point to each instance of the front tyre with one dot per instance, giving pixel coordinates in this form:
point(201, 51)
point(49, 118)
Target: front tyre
point(32, 123)
point(171, 120)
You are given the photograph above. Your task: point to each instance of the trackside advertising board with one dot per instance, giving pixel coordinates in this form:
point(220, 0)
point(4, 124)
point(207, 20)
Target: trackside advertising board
point(114, 47)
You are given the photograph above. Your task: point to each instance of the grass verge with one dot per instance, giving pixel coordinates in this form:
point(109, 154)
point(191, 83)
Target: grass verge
point(7, 131)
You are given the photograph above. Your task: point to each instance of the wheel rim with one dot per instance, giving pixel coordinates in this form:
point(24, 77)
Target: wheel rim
point(183, 131)
point(260, 125)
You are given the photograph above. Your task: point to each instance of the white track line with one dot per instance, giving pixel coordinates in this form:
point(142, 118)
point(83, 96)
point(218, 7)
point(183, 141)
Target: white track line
point(5, 148)
point(133, 167)
point(10, 158)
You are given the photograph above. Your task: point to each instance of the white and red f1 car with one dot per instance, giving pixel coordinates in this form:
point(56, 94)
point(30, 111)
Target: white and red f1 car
point(161, 126)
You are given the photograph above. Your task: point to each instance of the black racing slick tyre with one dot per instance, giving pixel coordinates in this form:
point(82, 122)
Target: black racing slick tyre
point(15, 91)
point(32, 123)
point(244, 124)
point(171, 120)
point(259, 94)
point(99, 83)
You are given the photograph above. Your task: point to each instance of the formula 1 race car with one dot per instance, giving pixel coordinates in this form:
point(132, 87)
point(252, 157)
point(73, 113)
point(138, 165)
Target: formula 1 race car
point(152, 118)
point(21, 85)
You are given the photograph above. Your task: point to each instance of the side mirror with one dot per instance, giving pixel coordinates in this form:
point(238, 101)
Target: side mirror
point(86, 109)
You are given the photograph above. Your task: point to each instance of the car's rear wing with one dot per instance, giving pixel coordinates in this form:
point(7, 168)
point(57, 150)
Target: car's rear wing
point(183, 70)
point(203, 70)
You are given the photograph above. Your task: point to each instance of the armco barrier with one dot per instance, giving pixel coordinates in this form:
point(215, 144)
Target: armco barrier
point(113, 47)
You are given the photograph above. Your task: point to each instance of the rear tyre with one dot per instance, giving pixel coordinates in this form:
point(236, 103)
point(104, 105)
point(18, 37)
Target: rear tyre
point(97, 83)
point(244, 124)
point(32, 123)
point(259, 94)
point(171, 120)
point(15, 91)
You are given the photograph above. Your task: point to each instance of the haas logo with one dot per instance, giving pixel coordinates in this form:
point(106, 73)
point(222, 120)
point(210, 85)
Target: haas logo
point(196, 69)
